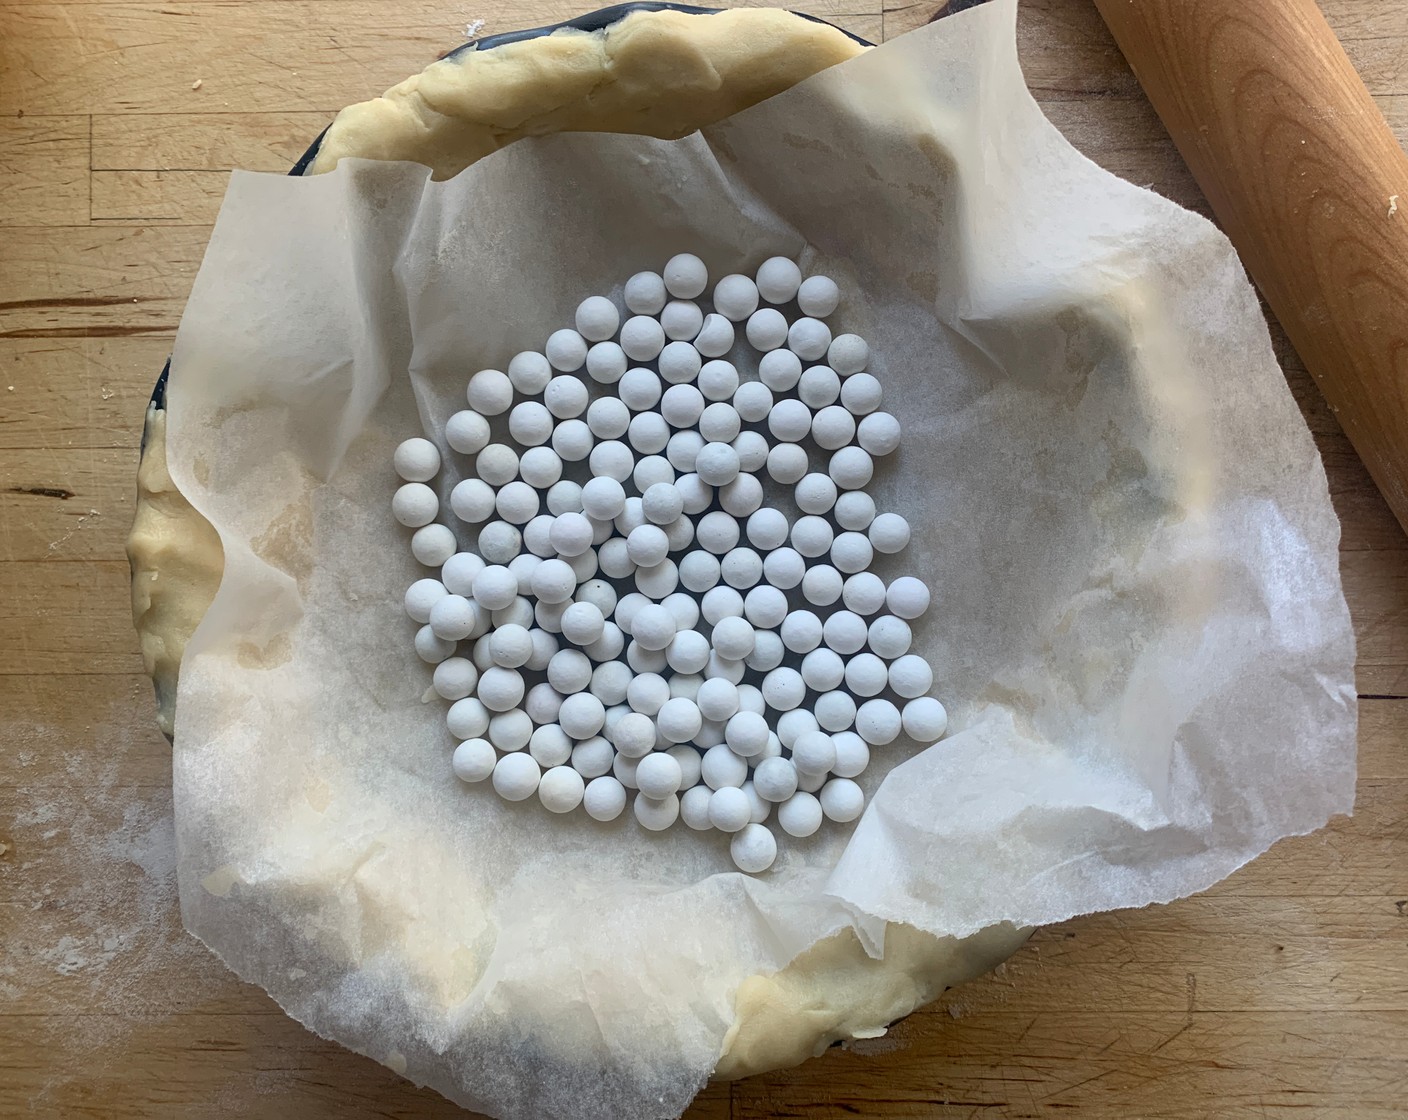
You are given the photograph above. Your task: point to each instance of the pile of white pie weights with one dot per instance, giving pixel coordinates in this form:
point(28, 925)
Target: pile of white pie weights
point(637, 616)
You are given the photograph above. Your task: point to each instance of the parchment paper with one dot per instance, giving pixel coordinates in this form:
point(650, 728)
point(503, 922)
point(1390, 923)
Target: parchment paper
point(1138, 623)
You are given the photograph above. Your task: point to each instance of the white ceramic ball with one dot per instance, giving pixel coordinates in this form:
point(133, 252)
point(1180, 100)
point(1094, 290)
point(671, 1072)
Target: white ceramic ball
point(784, 568)
point(416, 460)
point(529, 371)
point(790, 420)
point(455, 678)
point(787, 463)
point(606, 362)
point(800, 815)
point(848, 354)
point(783, 689)
point(581, 715)
point(592, 757)
point(861, 394)
point(659, 775)
point(743, 496)
point(681, 320)
point(679, 362)
point(489, 392)
point(841, 800)
point(597, 318)
point(566, 350)
point(459, 571)
point(699, 571)
point(814, 752)
point(473, 760)
point(753, 400)
point(496, 464)
point(561, 789)
point(645, 293)
point(878, 433)
point(432, 545)
point(852, 552)
point(822, 585)
point(549, 744)
point(925, 720)
point(845, 632)
point(530, 423)
point(802, 631)
point(717, 532)
point(907, 597)
point(890, 637)
point(910, 676)
point(854, 510)
point(642, 338)
point(686, 276)
point(818, 296)
point(656, 814)
point(768, 652)
point(779, 370)
point(683, 452)
point(766, 329)
point(752, 448)
point(851, 468)
point(812, 535)
point(753, 848)
point(833, 427)
point(648, 433)
point(694, 808)
point(819, 387)
point(889, 533)
point(718, 380)
point(499, 542)
point(467, 432)
point(415, 504)
point(736, 297)
point(866, 675)
point(729, 809)
point(775, 779)
point(542, 703)
point(688, 652)
point(878, 722)
point(778, 279)
point(639, 389)
point(716, 464)
point(572, 440)
point(720, 423)
point(604, 798)
point(716, 336)
point(516, 776)
point(467, 718)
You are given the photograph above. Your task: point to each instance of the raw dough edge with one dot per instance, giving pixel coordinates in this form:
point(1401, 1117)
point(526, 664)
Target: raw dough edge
point(457, 111)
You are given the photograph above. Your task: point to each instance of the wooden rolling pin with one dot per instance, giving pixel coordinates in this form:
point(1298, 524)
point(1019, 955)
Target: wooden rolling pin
point(1306, 178)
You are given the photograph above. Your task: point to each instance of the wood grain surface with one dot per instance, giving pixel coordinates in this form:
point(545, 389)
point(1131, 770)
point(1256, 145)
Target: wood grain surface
point(1281, 992)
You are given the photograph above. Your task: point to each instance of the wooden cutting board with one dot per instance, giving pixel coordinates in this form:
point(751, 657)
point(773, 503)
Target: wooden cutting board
point(1283, 991)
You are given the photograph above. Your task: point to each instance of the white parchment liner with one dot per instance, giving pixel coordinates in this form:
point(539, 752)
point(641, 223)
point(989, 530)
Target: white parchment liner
point(1138, 624)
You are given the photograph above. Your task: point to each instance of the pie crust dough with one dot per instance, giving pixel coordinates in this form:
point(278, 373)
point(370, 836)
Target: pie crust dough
point(661, 74)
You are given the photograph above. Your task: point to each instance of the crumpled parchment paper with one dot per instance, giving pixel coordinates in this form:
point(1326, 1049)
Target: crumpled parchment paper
point(1138, 624)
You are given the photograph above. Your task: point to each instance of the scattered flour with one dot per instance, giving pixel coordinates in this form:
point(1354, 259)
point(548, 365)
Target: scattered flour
point(98, 949)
